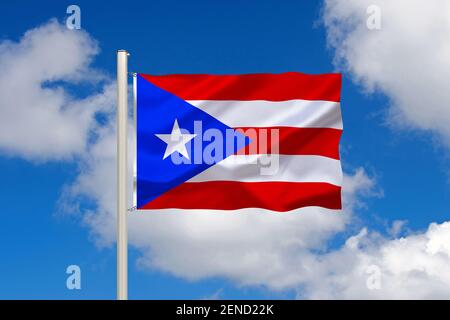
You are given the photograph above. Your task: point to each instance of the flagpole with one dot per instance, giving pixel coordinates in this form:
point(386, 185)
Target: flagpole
point(122, 115)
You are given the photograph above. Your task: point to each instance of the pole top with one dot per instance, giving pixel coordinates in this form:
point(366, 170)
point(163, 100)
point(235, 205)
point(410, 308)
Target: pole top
point(123, 51)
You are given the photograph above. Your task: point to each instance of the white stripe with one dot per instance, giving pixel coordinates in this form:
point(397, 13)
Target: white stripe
point(260, 167)
point(262, 113)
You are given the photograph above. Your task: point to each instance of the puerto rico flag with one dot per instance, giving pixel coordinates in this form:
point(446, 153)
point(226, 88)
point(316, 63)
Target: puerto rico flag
point(229, 142)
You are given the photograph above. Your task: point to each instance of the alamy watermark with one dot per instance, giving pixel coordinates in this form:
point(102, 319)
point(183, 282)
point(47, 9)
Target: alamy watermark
point(259, 147)
point(73, 21)
point(373, 21)
point(73, 281)
point(373, 281)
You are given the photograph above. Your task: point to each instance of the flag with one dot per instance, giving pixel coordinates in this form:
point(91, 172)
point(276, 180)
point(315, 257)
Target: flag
point(228, 142)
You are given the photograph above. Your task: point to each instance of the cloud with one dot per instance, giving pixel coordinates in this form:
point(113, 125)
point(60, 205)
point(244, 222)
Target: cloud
point(39, 118)
point(411, 267)
point(408, 59)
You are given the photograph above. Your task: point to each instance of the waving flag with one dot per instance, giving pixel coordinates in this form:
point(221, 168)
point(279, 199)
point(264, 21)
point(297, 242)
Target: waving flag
point(227, 142)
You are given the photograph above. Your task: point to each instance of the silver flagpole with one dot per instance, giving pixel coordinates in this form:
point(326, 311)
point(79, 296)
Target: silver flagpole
point(122, 115)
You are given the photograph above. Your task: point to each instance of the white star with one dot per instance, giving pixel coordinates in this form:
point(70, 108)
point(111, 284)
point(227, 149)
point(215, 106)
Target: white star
point(176, 141)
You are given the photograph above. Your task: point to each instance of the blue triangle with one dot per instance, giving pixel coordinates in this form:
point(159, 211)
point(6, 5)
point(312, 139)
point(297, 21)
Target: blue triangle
point(157, 111)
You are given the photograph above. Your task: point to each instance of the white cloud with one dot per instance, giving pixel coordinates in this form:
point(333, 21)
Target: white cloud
point(412, 267)
point(408, 59)
point(39, 119)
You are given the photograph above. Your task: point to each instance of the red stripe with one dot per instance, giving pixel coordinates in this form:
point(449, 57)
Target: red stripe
point(293, 141)
point(273, 87)
point(232, 195)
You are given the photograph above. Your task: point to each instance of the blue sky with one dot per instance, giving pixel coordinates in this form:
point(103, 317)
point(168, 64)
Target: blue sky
point(410, 166)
